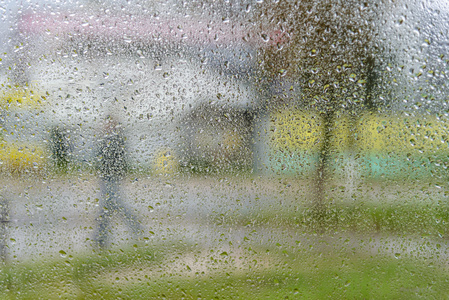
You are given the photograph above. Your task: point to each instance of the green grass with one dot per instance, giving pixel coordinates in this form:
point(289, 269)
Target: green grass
point(369, 280)
point(417, 219)
point(268, 270)
point(68, 276)
point(294, 272)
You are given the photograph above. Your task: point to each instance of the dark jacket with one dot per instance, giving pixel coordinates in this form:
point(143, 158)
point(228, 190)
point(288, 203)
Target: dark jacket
point(112, 163)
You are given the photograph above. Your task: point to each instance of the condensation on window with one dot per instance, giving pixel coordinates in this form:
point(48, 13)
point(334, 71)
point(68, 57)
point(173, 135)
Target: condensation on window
point(223, 149)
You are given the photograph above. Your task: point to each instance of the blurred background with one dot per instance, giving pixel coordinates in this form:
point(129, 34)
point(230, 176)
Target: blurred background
point(274, 149)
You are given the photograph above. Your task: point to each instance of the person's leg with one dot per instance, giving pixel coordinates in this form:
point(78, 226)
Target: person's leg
point(130, 217)
point(132, 221)
point(107, 207)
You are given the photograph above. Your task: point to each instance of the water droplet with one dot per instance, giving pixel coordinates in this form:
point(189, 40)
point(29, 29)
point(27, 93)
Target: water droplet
point(62, 253)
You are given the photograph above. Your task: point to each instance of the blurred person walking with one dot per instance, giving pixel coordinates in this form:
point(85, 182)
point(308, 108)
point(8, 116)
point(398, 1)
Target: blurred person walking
point(112, 166)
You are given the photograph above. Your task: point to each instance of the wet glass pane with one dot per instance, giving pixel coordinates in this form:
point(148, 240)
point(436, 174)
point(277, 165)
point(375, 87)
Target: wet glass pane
point(223, 149)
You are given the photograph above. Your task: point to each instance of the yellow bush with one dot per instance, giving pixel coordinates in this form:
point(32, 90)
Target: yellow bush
point(299, 130)
point(21, 97)
point(403, 134)
point(165, 162)
point(14, 157)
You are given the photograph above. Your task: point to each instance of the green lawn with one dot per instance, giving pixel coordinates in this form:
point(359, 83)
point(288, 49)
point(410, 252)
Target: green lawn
point(404, 219)
point(263, 267)
point(378, 207)
point(249, 272)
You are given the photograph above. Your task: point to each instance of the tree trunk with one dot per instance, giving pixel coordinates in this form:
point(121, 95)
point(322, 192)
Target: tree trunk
point(352, 174)
point(323, 173)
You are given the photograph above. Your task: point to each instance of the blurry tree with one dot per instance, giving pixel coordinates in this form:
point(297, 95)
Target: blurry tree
point(332, 53)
